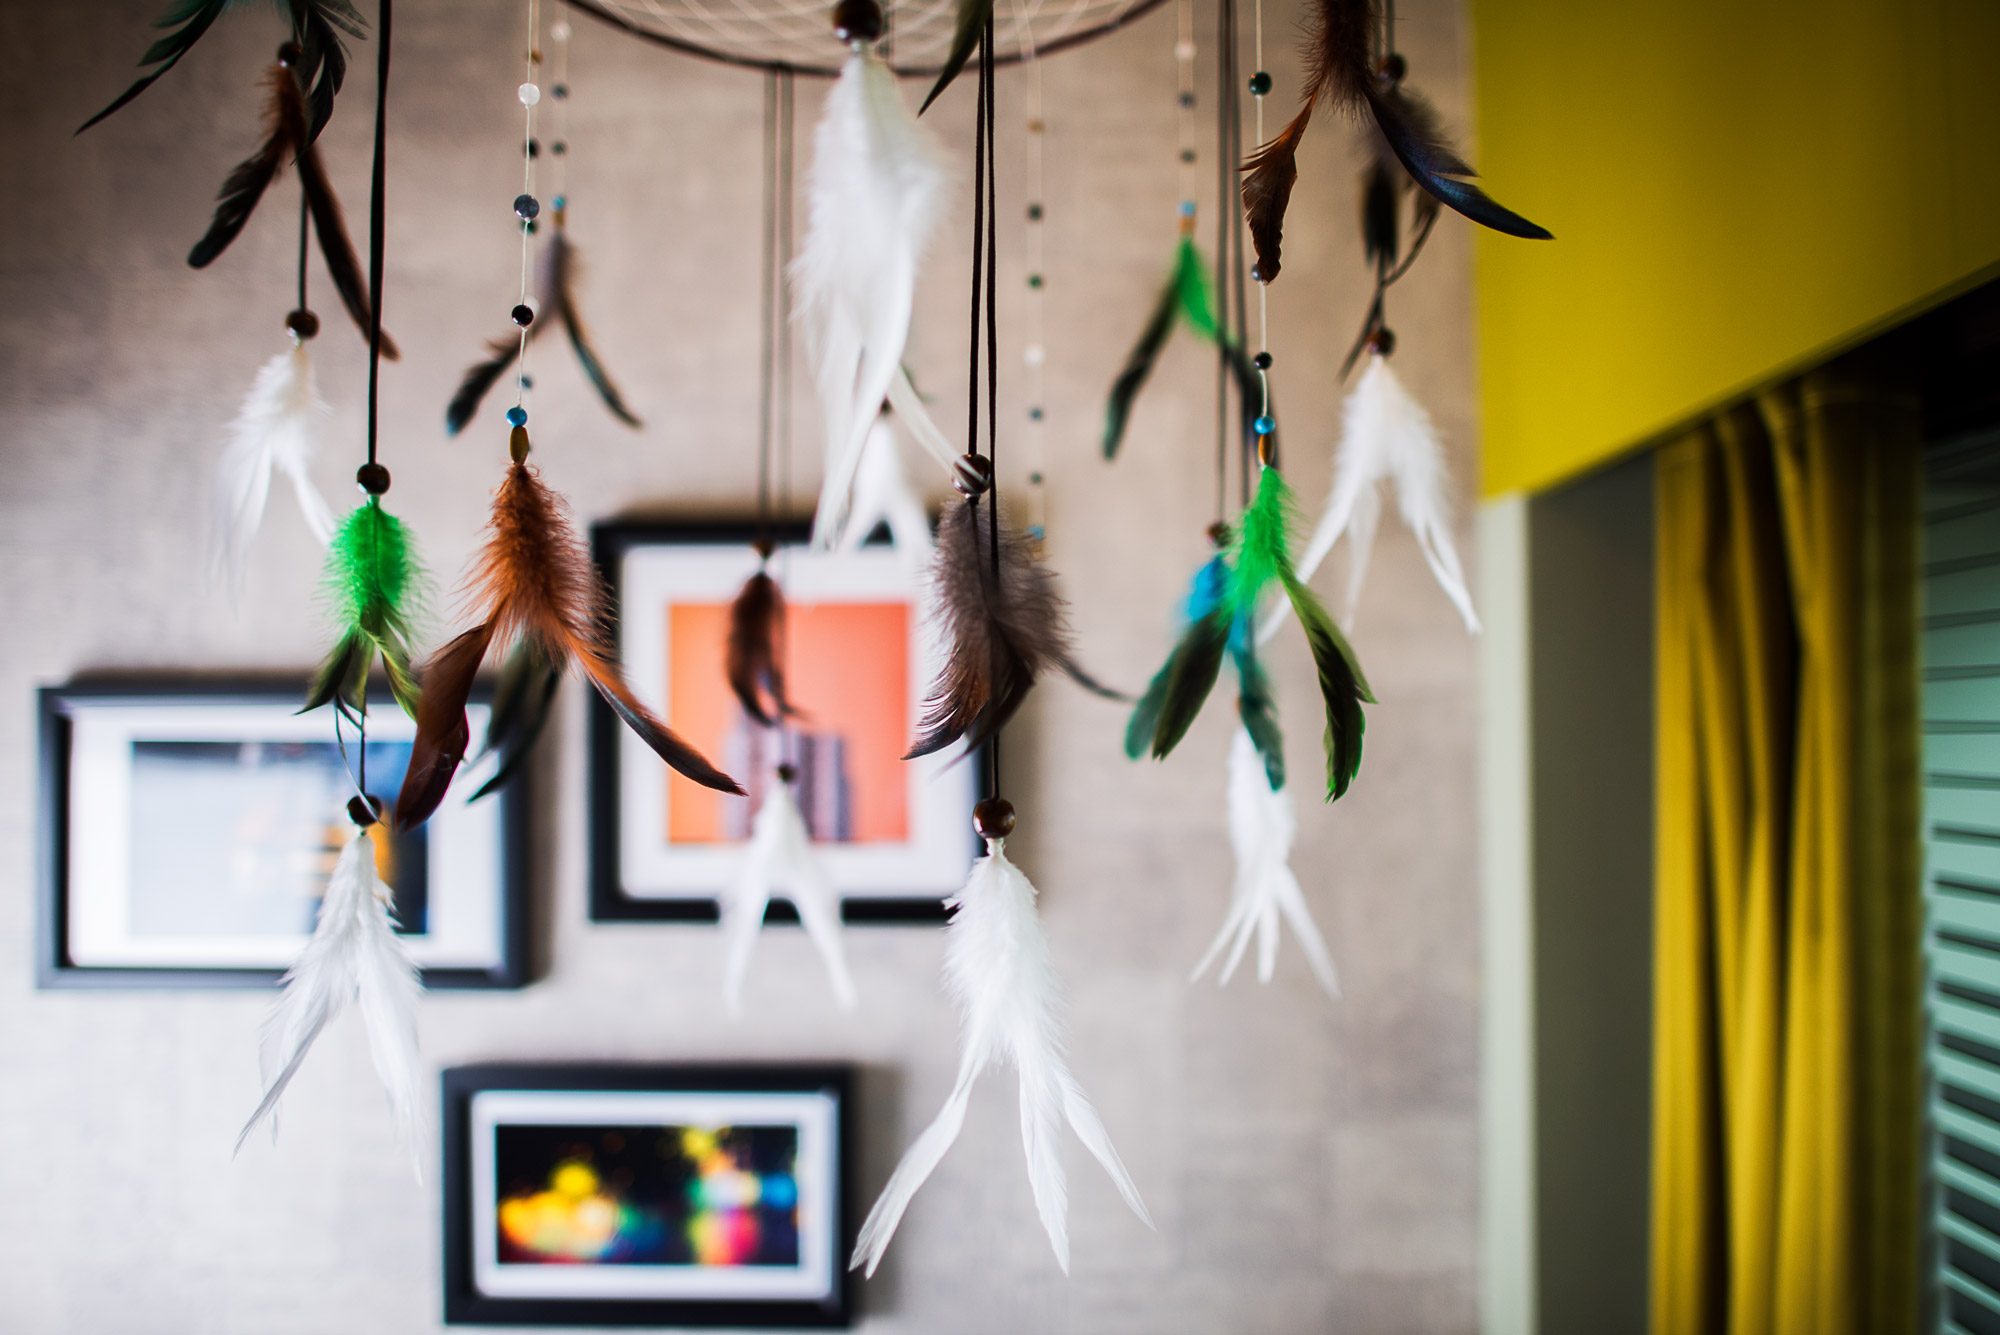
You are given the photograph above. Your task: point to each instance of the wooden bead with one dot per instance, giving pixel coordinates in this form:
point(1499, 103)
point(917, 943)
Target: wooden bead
point(1382, 341)
point(993, 818)
point(517, 444)
point(857, 20)
point(364, 815)
point(302, 324)
point(374, 478)
point(1218, 533)
point(972, 474)
point(787, 772)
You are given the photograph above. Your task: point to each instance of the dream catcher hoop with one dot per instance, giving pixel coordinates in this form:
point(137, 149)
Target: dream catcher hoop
point(790, 35)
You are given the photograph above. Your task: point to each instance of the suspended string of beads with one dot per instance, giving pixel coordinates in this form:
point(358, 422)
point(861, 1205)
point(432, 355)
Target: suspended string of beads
point(1260, 86)
point(526, 209)
point(774, 301)
point(1034, 355)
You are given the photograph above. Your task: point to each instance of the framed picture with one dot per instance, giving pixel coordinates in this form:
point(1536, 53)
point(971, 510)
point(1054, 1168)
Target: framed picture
point(188, 831)
point(859, 656)
point(647, 1195)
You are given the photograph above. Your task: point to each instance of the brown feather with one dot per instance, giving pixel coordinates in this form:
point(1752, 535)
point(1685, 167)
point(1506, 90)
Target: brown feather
point(335, 246)
point(1003, 629)
point(443, 734)
point(536, 579)
point(753, 664)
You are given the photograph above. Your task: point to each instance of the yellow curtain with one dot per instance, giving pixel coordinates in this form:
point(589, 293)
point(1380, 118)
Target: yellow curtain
point(1787, 1033)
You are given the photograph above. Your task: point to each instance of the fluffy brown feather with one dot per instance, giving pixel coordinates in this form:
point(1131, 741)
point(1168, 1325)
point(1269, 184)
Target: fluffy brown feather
point(1003, 629)
point(535, 583)
point(754, 665)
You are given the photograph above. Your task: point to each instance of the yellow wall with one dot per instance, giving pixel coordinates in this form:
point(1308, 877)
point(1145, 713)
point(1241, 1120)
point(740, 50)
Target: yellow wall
point(1737, 187)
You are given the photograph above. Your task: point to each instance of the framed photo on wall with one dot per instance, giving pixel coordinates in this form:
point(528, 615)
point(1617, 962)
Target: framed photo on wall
point(859, 656)
point(647, 1195)
point(188, 831)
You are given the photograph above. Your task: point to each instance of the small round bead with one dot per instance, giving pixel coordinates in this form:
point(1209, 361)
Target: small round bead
point(1187, 208)
point(1033, 354)
point(1034, 280)
point(1035, 414)
point(517, 444)
point(857, 20)
point(1264, 425)
point(560, 203)
point(1036, 533)
point(787, 772)
point(1256, 275)
point(290, 54)
point(534, 148)
point(763, 547)
point(1218, 533)
point(559, 92)
point(523, 316)
point(302, 324)
point(1035, 126)
point(972, 474)
point(1262, 361)
point(1034, 213)
point(1183, 50)
point(1187, 99)
point(559, 147)
point(1394, 68)
point(527, 382)
point(1383, 341)
point(993, 818)
point(526, 206)
point(529, 94)
point(517, 416)
point(529, 227)
point(373, 478)
point(1187, 155)
point(366, 813)
point(1035, 478)
point(1260, 84)
point(559, 32)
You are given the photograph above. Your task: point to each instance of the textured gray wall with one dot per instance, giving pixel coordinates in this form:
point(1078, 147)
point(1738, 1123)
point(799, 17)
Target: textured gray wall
point(1311, 1166)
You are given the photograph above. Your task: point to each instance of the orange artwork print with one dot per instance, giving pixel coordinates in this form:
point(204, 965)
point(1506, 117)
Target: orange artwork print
point(847, 670)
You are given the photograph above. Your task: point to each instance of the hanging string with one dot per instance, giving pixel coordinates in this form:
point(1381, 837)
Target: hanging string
point(305, 213)
point(1226, 204)
point(782, 271)
point(985, 267)
point(373, 476)
point(766, 308)
point(525, 208)
point(1034, 355)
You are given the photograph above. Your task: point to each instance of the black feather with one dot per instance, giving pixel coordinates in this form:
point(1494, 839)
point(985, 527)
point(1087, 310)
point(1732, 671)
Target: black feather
point(1381, 215)
point(193, 18)
point(330, 226)
point(502, 353)
point(317, 26)
point(1089, 683)
point(1139, 366)
point(1257, 706)
point(342, 679)
point(973, 16)
point(521, 707)
point(1417, 138)
point(285, 119)
point(563, 269)
point(1145, 720)
point(753, 661)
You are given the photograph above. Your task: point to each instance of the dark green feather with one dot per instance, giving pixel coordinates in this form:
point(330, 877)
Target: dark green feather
point(973, 16)
point(1138, 367)
point(188, 19)
point(1257, 706)
point(1190, 675)
point(373, 578)
point(521, 707)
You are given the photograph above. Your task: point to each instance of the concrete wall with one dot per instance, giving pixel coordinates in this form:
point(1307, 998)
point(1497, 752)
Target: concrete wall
point(1311, 1166)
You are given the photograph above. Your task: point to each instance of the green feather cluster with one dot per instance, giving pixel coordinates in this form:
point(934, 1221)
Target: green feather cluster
point(1189, 298)
point(1222, 619)
point(374, 582)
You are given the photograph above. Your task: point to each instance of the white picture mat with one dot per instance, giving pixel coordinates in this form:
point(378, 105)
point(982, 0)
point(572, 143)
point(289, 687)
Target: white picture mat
point(815, 1115)
point(463, 915)
point(929, 865)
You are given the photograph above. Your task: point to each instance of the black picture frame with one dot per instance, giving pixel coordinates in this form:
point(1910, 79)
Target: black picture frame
point(464, 1304)
point(55, 967)
point(611, 542)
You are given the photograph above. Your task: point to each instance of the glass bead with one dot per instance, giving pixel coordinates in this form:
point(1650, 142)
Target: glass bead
point(1187, 99)
point(1034, 280)
point(559, 92)
point(559, 147)
point(1262, 361)
point(1035, 126)
point(523, 316)
point(1034, 213)
point(972, 474)
point(1187, 155)
point(1264, 425)
point(1035, 478)
point(534, 148)
point(1036, 533)
point(528, 227)
point(1183, 50)
point(526, 206)
point(1187, 208)
point(1260, 84)
point(561, 203)
point(290, 54)
point(560, 32)
point(1394, 68)
point(527, 382)
point(1034, 414)
point(517, 416)
point(1033, 354)
point(529, 94)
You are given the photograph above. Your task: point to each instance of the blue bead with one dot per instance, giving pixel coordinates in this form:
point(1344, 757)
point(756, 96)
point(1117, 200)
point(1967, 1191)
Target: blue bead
point(518, 416)
point(1264, 425)
point(561, 202)
point(1187, 208)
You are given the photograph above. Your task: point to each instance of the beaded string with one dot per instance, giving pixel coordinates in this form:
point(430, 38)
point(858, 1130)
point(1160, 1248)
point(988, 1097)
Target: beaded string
point(774, 294)
point(1260, 86)
point(1034, 355)
point(1226, 204)
point(372, 476)
point(526, 209)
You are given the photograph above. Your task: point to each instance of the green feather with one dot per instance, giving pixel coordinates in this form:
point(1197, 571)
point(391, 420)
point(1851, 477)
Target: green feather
point(1145, 719)
point(970, 25)
point(1190, 675)
point(374, 582)
point(1194, 290)
point(1262, 552)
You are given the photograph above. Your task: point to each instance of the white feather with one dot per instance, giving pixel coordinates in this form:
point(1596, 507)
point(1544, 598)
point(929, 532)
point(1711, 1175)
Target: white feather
point(874, 191)
point(917, 421)
point(780, 856)
point(354, 954)
point(998, 969)
point(883, 495)
point(277, 427)
point(1262, 827)
point(1386, 437)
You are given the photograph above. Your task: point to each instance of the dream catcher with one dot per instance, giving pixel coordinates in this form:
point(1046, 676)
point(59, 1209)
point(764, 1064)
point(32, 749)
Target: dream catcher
point(533, 581)
point(780, 855)
point(354, 955)
point(1003, 625)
